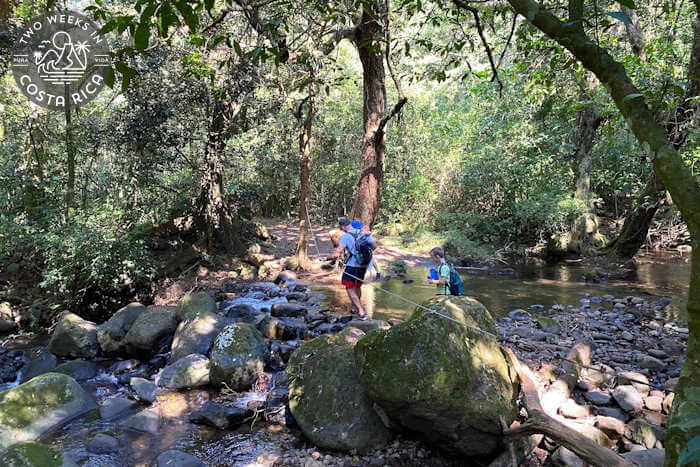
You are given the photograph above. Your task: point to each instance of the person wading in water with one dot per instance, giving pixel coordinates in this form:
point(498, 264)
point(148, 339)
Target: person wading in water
point(356, 248)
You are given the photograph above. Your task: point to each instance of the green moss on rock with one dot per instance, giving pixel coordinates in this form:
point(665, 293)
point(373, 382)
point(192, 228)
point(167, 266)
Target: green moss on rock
point(434, 376)
point(327, 399)
point(74, 337)
point(30, 409)
point(31, 454)
point(194, 305)
point(238, 355)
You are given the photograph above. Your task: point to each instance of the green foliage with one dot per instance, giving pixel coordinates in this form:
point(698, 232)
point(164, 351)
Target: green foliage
point(398, 266)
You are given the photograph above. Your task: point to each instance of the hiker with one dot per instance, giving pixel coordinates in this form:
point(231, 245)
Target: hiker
point(441, 274)
point(351, 246)
point(445, 276)
point(364, 230)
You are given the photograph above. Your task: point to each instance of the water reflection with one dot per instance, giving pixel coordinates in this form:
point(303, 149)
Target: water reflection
point(660, 274)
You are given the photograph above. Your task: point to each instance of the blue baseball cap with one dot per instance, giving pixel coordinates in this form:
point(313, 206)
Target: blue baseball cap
point(356, 224)
point(343, 222)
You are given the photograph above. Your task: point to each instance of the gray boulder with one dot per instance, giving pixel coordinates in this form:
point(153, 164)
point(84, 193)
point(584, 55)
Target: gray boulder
point(31, 409)
point(440, 377)
point(148, 421)
point(79, 370)
point(174, 458)
point(103, 444)
point(74, 337)
point(114, 406)
point(151, 330)
point(195, 335)
point(327, 399)
point(111, 333)
point(285, 309)
point(144, 389)
point(31, 454)
point(191, 371)
point(628, 398)
point(42, 363)
point(647, 457)
point(245, 314)
point(238, 356)
point(191, 306)
point(220, 416)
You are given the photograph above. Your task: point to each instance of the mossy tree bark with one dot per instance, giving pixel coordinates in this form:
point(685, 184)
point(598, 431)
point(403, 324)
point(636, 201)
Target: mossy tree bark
point(674, 173)
point(302, 258)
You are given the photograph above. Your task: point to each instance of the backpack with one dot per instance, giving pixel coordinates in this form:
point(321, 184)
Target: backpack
point(456, 285)
point(363, 249)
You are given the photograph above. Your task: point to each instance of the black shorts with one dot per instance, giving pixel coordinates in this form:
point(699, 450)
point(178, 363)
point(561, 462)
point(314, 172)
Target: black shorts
point(353, 276)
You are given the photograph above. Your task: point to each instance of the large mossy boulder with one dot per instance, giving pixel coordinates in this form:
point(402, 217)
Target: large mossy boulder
point(440, 377)
point(151, 330)
point(31, 409)
point(111, 333)
point(327, 399)
point(31, 454)
point(74, 337)
point(196, 334)
point(238, 356)
point(191, 306)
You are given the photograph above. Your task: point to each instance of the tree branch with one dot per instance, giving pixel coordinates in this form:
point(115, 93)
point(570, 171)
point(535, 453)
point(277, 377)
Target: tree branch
point(465, 6)
point(338, 36)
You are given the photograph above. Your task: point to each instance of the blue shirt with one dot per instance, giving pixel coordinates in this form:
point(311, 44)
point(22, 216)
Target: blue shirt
point(348, 242)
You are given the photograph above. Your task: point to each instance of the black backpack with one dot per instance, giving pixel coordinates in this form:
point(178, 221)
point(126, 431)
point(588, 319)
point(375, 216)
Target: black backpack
point(363, 249)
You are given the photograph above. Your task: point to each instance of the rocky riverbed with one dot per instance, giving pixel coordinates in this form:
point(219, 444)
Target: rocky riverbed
point(180, 381)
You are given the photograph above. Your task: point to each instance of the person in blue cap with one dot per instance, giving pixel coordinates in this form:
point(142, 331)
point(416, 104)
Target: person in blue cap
point(354, 272)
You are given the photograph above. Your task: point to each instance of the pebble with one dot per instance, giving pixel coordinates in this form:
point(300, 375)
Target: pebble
point(613, 427)
point(654, 403)
point(651, 363)
point(597, 397)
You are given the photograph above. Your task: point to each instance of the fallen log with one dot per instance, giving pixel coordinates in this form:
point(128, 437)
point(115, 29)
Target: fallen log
point(539, 422)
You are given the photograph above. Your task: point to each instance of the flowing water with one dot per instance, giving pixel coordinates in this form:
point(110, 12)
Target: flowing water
point(662, 274)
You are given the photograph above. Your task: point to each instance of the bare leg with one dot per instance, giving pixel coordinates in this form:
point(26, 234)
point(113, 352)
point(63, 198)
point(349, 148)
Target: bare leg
point(354, 294)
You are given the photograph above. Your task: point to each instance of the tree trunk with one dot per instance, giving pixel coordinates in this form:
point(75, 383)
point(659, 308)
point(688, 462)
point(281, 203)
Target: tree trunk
point(636, 227)
point(587, 122)
point(302, 258)
point(368, 43)
point(213, 218)
point(70, 153)
point(675, 174)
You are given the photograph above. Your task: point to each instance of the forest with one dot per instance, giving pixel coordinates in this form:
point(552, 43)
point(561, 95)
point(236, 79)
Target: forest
point(184, 219)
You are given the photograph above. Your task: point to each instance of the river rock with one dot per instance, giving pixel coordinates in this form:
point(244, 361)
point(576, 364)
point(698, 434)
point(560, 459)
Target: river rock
point(628, 398)
point(150, 330)
point(651, 363)
point(103, 444)
point(30, 409)
point(285, 328)
point(563, 457)
point(79, 370)
point(44, 362)
point(31, 454)
point(611, 426)
point(442, 379)
point(369, 324)
point(245, 314)
point(238, 356)
point(647, 457)
point(220, 416)
point(144, 389)
point(570, 409)
point(654, 403)
point(641, 432)
point(636, 379)
point(174, 458)
point(520, 315)
point(547, 324)
point(148, 420)
point(285, 309)
point(188, 372)
point(110, 334)
point(597, 397)
point(195, 335)
point(191, 306)
point(327, 399)
point(74, 337)
point(668, 402)
point(7, 318)
point(114, 406)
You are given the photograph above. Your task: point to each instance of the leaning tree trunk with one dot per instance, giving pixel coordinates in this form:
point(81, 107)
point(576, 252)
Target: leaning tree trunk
point(302, 259)
point(676, 175)
point(368, 42)
point(212, 216)
point(636, 227)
